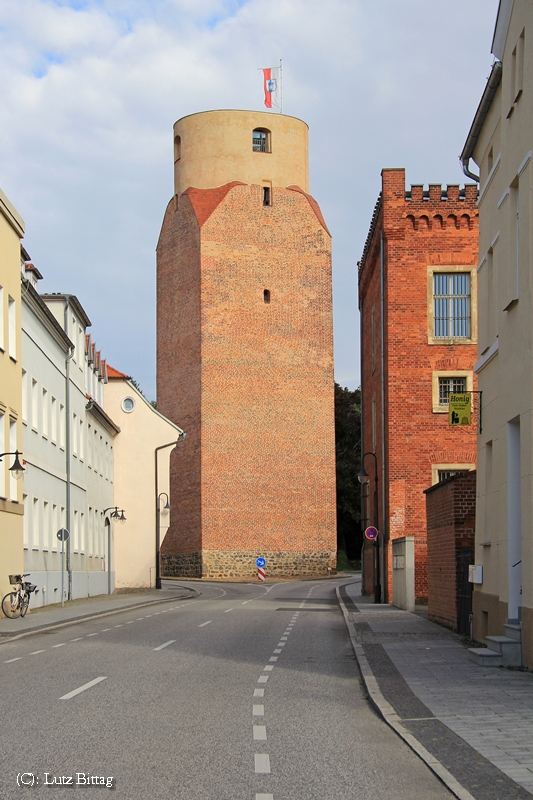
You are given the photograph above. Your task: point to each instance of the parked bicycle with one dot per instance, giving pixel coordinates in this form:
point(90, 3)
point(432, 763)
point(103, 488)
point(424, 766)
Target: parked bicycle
point(15, 604)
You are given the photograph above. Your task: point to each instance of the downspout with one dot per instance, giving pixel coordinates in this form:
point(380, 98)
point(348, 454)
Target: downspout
point(68, 450)
point(181, 434)
point(362, 441)
point(384, 575)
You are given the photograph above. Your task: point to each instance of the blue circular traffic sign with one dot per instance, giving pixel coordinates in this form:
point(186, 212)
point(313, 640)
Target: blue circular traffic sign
point(260, 562)
point(371, 533)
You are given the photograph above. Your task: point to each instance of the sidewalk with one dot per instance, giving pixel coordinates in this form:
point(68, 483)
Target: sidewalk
point(52, 616)
point(472, 725)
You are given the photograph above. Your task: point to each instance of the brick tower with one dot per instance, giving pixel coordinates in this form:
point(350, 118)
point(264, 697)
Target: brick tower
point(245, 351)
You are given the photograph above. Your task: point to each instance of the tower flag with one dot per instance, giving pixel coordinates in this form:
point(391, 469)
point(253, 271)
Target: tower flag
point(272, 82)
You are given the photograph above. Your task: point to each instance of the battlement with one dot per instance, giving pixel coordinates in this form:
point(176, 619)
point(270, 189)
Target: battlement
point(452, 192)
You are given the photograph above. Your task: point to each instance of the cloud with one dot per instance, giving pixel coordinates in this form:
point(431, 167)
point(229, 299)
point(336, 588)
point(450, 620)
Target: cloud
point(90, 92)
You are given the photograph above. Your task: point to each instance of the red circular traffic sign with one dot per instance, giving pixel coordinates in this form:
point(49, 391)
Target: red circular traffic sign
point(371, 533)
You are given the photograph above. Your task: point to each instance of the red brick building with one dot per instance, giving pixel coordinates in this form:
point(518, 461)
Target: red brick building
point(417, 298)
point(451, 525)
point(245, 351)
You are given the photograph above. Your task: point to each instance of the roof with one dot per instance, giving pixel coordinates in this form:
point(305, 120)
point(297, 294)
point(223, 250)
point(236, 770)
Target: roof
point(73, 302)
point(114, 373)
point(205, 201)
point(501, 28)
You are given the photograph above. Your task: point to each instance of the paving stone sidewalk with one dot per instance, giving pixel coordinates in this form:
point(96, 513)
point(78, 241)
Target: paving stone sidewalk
point(50, 616)
point(477, 721)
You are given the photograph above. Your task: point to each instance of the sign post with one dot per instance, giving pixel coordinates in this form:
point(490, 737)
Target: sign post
point(460, 409)
point(63, 536)
point(261, 564)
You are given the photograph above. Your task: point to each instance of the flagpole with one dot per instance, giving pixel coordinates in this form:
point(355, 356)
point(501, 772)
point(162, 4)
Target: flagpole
point(281, 85)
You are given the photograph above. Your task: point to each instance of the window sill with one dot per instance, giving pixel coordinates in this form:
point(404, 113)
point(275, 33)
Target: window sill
point(450, 341)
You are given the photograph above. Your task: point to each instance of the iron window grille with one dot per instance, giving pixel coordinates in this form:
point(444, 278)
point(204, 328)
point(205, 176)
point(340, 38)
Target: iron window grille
point(451, 305)
point(447, 473)
point(260, 142)
point(449, 386)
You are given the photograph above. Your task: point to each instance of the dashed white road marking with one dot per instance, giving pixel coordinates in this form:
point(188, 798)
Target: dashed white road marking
point(138, 620)
point(273, 658)
point(258, 710)
point(97, 632)
point(262, 763)
point(260, 733)
point(283, 638)
point(59, 645)
point(130, 622)
point(262, 679)
point(280, 644)
point(228, 609)
point(147, 615)
point(10, 660)
point(162, 646)
point(209, 621)
point(77, 640)
point(82, 688)
point(259, 692)
point(268, 668)
point(264, 797)
point(121, 625)
point(104, 630)
point(36, 652)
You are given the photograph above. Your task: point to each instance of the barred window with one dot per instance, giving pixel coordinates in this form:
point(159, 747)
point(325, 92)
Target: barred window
point(449, 386)
point(447, 473)
point(451, 305)
point(261, 140)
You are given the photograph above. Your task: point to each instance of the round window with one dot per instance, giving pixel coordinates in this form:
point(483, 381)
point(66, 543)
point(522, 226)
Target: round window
point(128, 404)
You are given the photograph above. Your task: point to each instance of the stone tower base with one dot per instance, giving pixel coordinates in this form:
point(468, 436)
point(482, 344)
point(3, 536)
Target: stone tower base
point(241, 564)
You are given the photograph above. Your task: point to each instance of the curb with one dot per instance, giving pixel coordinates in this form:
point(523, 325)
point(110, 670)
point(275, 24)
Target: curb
point(389, 715)
point(5, 638)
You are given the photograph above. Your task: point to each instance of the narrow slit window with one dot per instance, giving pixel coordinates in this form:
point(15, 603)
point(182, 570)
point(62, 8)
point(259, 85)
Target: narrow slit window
point(266, 295)
point(266, 196)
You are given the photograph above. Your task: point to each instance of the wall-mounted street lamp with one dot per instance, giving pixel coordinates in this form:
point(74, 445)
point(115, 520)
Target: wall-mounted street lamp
point(158, 496)
point(119, 516)
point(16, 469)
point(363, 478)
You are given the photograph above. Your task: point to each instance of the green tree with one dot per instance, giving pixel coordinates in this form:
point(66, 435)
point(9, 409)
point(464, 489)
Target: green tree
point(348, 461)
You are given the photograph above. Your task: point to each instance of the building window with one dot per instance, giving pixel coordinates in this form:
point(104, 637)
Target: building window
point(1, 318)
point(266, 295)
point(12, 328)
point(177, 148)
point(261, 141)
point(449, 386)
point(451, 305)
point(267, 199)
point(128, 405)
point(447, 473)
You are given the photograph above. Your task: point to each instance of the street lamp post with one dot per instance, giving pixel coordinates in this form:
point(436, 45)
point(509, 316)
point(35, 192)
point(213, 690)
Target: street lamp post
point(120, 517)
point(16, 469)
point(363, 478)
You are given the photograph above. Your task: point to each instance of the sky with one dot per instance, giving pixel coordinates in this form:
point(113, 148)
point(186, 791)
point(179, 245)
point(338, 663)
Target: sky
point(90, 90)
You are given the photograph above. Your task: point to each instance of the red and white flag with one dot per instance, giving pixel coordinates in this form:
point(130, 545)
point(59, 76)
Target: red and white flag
point(272, 85)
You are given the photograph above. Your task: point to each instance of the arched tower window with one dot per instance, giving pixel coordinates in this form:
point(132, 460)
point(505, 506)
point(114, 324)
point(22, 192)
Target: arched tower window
point(261, 142)
point(177, 148)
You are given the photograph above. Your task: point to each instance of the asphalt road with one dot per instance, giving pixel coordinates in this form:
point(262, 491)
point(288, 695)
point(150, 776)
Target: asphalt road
point(248, 692)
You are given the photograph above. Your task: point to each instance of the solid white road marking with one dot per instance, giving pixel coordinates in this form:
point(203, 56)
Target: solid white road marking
point(209, 621)
point(59, 645)
point(273, 658)
point(262, 679)
point(10, 660)
point(268, 668)
point(82, 688)
point(162, 646)
point(262, 763)
point(259, 692)
point(258, 711)
point(260, 733)
point(36, 652)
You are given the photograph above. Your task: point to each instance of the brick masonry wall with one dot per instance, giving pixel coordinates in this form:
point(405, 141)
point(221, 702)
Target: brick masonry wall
point(451, 515)
point(250, 382)
point(418, 232)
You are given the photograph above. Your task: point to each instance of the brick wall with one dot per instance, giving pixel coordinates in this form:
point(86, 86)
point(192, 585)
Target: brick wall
point(411, 231)
point(250, 382)
point(451, 515)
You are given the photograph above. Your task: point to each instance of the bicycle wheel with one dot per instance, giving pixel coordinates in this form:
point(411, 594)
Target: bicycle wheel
point(24, 603)
point(11, 605)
